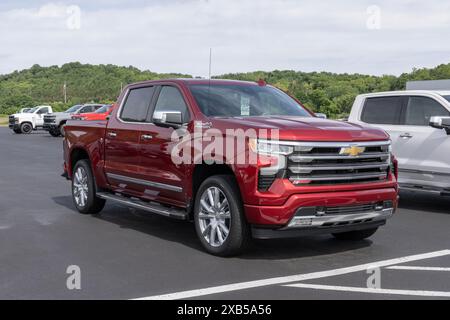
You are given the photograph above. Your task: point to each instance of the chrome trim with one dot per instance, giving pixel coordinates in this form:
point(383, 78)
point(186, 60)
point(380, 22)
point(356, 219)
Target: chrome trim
point(327, 144)
point(300, 169)
point(299, 222)
point(384, 156)
point(340, 177)
point(424, 172)
point(145, 182)
point(150, 207)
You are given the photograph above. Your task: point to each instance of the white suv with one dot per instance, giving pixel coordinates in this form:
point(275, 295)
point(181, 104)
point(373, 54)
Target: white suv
point(419, 125)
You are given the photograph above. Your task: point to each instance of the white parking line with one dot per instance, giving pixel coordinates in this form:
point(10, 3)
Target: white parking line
point(413, 268)
point(294, 278)
point(369, 290)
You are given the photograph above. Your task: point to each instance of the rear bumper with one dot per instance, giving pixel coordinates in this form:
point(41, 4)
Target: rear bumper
point(290, 215)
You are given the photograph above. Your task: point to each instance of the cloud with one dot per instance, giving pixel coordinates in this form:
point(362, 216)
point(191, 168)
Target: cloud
point(246, 35)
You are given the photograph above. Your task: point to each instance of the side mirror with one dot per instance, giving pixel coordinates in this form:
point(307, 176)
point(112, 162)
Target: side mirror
point(168, 118)
point(321, 115)
point(441, 123)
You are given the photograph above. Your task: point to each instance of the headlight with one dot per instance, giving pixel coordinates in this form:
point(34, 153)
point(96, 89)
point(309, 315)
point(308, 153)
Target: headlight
point(16, 120)
point(268, 147)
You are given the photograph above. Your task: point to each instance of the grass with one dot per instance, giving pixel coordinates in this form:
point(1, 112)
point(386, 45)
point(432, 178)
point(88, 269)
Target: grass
point(3, 120)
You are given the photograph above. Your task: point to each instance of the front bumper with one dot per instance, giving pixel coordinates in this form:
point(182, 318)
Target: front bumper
point(266, 234)
point(14, 126)
point(50, 126)
point(325, 212)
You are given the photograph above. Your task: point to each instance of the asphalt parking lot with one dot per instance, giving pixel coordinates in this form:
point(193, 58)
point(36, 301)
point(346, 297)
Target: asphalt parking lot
point(128, 254)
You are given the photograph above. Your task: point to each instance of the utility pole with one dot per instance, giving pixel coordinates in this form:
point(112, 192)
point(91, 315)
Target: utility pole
point(65, 92)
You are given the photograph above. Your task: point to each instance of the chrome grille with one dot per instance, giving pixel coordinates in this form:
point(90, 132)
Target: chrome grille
point(49, 119)
point(335, 163)
point(11, 120)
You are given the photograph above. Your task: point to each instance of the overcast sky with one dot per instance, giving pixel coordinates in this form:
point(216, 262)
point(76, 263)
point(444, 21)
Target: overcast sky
point(372, 37)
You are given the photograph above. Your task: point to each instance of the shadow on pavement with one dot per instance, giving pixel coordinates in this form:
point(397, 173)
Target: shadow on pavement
point(184, 232)
point(424, 202)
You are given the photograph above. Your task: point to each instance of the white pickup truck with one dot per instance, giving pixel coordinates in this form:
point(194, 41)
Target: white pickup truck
point(419, 125)
point(30, 120)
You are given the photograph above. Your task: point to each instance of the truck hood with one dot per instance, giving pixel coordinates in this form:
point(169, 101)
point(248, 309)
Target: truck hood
point(304, 129)
point(23, 115)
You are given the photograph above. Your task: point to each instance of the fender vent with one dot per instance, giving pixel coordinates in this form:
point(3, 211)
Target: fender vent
point(265, 182)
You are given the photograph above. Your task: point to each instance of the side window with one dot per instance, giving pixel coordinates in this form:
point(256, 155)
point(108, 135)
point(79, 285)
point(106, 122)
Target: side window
point(136, 105)
point(382, 110)
point(43, 111)
point(170, 99)
point(421, 109)
point(86, 109)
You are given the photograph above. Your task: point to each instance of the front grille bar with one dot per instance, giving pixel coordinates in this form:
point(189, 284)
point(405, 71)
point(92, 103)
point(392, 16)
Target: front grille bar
point(309, 169)
point(302, 158)
point(339, 177)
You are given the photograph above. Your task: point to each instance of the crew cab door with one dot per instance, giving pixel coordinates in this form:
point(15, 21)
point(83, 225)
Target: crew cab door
point(166, 179)
point(122, 141)
point(39, 116)
point(422, 149)
point(419, 148)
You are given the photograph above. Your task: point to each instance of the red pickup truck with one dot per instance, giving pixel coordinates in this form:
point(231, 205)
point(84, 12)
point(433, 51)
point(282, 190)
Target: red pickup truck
point(290, 172)
point(101, 114)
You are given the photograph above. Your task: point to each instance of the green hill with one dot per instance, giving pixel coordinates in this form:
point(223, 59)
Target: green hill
point(85, 83)
point(325, 92)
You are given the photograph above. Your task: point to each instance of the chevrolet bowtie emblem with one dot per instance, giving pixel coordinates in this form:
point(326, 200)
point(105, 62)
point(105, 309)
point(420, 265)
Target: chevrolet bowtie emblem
point(353, 151)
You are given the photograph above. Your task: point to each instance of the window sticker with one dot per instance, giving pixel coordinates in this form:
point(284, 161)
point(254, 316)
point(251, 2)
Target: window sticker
point(245, 106)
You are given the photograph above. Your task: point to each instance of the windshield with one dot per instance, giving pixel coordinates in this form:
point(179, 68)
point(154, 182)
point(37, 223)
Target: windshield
point(32, 110)
point(73, 109)
point(245, 101)
point(103, 109)
point(447, 98)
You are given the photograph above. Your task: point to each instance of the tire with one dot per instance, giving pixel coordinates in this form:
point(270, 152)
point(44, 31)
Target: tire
point(212, 225)
point(355, 235)
point(26, 128)
point(61, 129)
point(55, 133)
point(84, 190)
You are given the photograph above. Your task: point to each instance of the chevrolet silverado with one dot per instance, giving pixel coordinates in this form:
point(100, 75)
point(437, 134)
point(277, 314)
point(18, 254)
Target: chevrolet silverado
point(310, 176)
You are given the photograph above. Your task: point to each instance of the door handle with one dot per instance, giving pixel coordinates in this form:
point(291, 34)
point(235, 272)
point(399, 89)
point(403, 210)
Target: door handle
point(112, 134)
point(146, 137)
point(406, 136)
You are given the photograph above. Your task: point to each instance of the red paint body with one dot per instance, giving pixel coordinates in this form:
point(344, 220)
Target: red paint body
point(93, 116)
point(128, 155)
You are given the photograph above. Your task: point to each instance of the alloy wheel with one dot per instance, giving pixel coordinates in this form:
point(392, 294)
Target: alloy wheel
point(214, 216)
point(80, 187)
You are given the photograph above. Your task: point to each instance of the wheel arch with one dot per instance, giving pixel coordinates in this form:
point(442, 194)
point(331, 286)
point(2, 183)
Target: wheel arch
point(204, 171)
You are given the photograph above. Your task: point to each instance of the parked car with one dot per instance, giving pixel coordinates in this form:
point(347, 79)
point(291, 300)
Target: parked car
point(55, 123)
point(30, 120)
point(319, 176)
point(418, 123)
point(100, 114)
